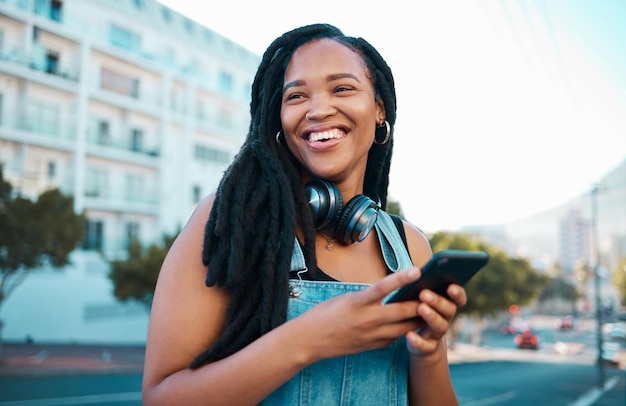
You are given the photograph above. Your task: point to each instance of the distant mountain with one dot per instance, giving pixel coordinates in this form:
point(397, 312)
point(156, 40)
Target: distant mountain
point(537, 237)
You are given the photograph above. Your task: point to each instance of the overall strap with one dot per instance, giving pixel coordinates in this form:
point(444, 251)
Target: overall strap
point(297, 257)
point(393, 248)
point(394, 251)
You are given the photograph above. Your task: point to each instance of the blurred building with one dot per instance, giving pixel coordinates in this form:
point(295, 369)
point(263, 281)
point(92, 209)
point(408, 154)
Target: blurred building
point(133, 109)
point(563, 235)
point(574, 240)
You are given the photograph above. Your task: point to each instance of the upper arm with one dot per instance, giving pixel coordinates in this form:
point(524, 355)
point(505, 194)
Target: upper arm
point(186, 315)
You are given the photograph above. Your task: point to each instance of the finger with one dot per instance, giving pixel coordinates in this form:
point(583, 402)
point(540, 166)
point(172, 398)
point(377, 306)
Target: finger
point(457, 294)
point(440, 304)
point(388, 284)
point(436, 324)
point(418, 345)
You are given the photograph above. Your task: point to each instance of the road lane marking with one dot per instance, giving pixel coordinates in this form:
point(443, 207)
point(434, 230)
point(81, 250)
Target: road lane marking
point(590, 397)
point(78, 400)
point(492, 400)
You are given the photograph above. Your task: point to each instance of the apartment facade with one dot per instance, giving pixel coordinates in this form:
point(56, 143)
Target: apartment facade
point(133, 109)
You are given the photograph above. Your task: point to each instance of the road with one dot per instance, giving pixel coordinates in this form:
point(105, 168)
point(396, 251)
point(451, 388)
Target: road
point(530, 383)
point(504, 376)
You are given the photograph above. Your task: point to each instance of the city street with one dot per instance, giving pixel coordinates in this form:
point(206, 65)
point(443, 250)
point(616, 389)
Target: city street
point(562, 371)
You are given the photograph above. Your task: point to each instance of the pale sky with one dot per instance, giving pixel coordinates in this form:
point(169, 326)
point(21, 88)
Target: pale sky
point(505, 108)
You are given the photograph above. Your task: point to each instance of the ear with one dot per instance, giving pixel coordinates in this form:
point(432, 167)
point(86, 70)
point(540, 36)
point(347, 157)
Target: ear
point(380, 111)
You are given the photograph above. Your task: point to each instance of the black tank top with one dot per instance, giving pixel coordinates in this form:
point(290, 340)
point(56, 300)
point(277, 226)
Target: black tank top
point(322, 276)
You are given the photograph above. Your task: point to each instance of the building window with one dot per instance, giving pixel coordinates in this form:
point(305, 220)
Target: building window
point(208, 154)
point(52, 169)
point(124, 38)
point(167, 14)
point(189, 25)
point(119, 83)
point(134, 190)
point(49, 8)
point(104, 133)
point(94, 235)
point(226, 82)
point(96, 183)
point(132, 232)
point(56, 10)
point(52, 62)
point(136, 140)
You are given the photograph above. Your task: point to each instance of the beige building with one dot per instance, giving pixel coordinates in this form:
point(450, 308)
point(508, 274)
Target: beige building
point(133, 109)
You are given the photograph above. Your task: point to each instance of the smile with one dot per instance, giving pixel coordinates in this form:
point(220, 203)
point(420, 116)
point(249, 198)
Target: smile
point(326, 135)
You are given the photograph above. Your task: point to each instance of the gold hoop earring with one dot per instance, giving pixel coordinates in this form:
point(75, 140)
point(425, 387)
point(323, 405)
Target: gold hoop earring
point(387, 134)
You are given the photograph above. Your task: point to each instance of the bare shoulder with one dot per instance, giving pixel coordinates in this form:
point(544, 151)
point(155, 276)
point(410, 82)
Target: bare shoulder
point(419, 247)
point(186, 315)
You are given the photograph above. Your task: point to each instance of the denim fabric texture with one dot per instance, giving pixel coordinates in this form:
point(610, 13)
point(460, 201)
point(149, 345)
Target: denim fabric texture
point(377, 377)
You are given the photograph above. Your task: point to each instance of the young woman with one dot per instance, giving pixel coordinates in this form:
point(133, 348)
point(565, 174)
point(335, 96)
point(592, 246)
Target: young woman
point(274, 292)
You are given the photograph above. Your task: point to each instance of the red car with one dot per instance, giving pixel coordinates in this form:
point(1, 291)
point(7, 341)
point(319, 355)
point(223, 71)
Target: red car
point(527, 339)
point(566, 323)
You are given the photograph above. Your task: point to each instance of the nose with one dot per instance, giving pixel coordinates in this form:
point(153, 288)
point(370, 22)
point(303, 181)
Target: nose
point(320, 107)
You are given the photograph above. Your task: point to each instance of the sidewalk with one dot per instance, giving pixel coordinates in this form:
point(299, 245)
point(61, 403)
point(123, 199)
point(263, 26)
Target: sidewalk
point(65, 359)
point(54, 359)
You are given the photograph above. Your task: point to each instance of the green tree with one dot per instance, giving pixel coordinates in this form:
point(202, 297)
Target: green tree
point(135, 278)
point(504, 281)
point(34, 234)
point(619, 280)
point(557, 287)
point(393, 207)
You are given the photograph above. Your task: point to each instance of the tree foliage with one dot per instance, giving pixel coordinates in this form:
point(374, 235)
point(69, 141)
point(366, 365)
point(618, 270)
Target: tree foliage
point(393, 207)
point(34, 233)
point(135, 278)
point(502, 282)
point(559, 287)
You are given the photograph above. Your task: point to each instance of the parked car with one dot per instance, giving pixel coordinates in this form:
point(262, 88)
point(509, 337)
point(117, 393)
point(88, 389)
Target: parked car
point(616, 331)
point(508, 329)
point(527, 340)
point(566, 323)
point(610, 353)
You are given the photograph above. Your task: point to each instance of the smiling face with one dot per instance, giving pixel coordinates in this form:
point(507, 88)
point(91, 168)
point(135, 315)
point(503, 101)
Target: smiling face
point(329, 111)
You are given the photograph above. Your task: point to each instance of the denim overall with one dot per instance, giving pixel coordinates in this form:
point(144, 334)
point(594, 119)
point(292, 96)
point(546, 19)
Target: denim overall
point(376, 377)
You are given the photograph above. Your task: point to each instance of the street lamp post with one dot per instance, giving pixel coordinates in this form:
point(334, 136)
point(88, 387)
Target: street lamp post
point(596, 280)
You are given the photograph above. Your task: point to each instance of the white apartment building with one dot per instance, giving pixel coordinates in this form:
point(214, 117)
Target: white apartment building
point(133, 109)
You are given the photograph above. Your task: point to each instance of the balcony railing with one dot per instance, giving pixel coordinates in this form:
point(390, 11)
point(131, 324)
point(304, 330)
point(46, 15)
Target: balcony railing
point(36, 62)
point(48, 124)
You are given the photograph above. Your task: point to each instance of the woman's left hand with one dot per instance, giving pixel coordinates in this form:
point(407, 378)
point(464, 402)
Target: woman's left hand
point(437, 313)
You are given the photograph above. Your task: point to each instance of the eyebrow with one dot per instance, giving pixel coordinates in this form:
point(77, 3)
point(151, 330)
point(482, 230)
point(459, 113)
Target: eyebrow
point(329, 78)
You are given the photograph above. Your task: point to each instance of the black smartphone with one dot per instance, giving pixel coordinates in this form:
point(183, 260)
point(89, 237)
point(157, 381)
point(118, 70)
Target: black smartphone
point(444, 268)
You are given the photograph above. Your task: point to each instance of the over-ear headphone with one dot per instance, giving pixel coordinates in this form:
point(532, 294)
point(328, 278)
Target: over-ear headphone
point(350, 223)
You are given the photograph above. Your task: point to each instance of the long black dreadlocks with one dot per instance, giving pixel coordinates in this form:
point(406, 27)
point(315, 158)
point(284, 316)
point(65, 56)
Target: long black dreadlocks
point(250, 234)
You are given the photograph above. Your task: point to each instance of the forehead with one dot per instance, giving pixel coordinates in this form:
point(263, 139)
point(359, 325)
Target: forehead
point(325, 56)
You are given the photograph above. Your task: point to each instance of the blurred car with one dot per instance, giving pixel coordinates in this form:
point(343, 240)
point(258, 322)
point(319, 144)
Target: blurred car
point(527, 340)
point(566, 323)
point(508, 329)
point(610, 353)
point(615, 331)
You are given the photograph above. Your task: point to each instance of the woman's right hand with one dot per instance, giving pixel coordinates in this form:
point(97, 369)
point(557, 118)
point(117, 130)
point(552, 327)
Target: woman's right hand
point(359, 321)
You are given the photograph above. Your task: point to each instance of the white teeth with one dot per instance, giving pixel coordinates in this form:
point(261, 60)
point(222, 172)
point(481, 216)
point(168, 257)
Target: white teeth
point(326, 135)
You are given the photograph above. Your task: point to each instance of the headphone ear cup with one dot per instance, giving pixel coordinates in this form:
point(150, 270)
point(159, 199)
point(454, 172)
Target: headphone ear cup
point(325, 202)
point(357, 219)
